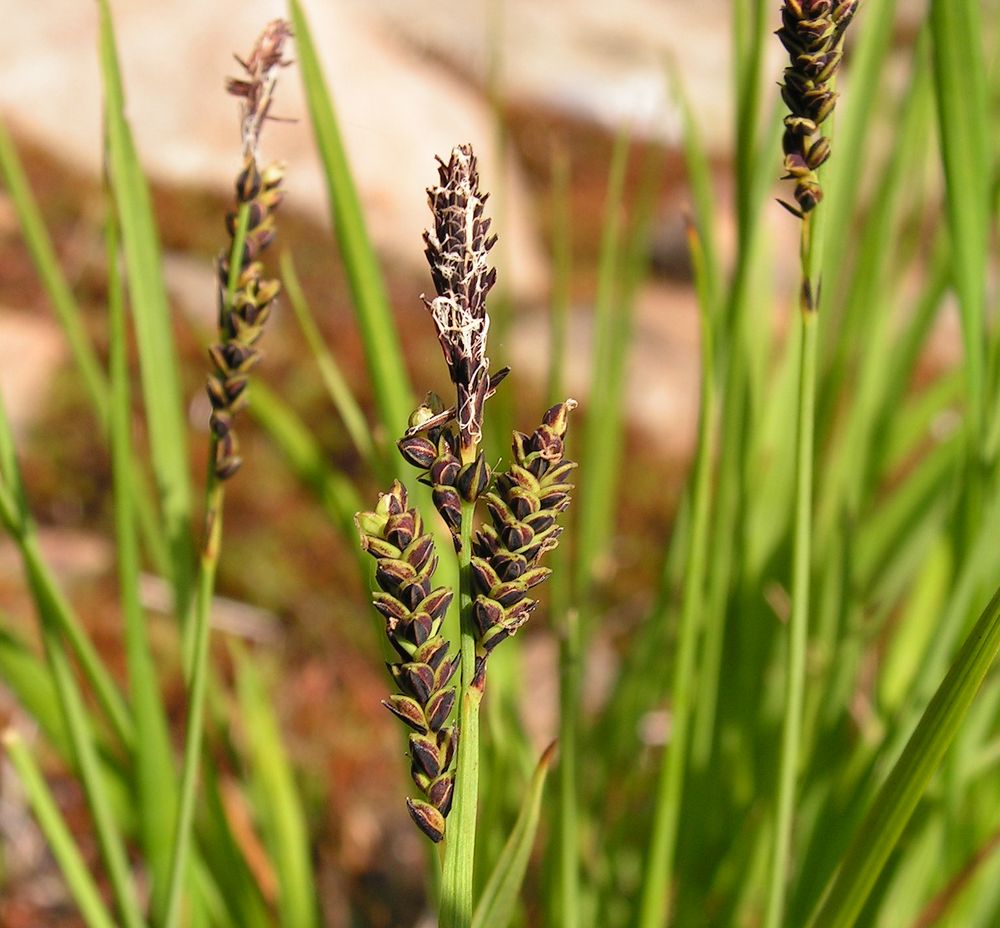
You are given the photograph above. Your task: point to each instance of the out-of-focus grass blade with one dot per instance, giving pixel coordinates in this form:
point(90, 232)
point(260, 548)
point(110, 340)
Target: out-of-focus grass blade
point(24, 674)
point(698, 171)
point(597, 456)
point(295, 442)
point(56, 620)
point(384, 356)
point(845, 171)
point(892, 807)
point(148, 299)
point(277, 800)
point(237, 887)
point(39, 244)
point(153, 762)
point(53, 608)
point(892, 523)
point(333, 379)
point(68, 314)
point(964, 119)
point(499, 900)
point(58, 837)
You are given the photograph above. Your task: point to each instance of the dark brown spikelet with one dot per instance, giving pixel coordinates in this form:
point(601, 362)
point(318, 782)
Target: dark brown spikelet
point(242, 317)
point(524, 509)
point(457, 250)
point(812, 32)
point(405, 562)
point(431, 444)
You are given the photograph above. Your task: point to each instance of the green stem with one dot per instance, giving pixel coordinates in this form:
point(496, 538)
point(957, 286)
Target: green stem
point(154, 771)
point(58, 837)
point(569, 685)
point(196, 697)
point(457, 885)
point(799, 623)
point(196, 644)
point(670, 787)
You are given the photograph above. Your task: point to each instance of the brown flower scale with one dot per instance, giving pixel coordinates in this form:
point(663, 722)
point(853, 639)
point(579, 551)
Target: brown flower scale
point(524, 507)
point(243, 315)
point(457, 251)
point(812, 32)
point(394, 535)
point(436, 452)
point(241, 323)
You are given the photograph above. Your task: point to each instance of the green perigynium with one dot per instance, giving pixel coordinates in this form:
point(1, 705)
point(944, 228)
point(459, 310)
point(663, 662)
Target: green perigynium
point(394, 535)
point(812, 32)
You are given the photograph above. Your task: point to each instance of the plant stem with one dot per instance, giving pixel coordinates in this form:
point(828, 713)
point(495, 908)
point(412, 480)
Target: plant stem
point(196, 695)
point(569, 687)
point(798, 624)
point(670, 787)
point(196, 645)
point(459, 857)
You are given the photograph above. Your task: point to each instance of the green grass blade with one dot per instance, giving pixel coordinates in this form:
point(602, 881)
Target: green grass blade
point(290, 435)
point(964, 121)
point(58, 837)
point(383, 353)
point(597, 455)
point(846, 170)
point(25, 676)
point(333, 379)
point(156, 790)
point(659, 869)
point(498, 903)
point(70, 318)
point(148, 299)
point(36, 237)
point(892, 807)
point(53, 607)
point(57, 620)
point(277, 800)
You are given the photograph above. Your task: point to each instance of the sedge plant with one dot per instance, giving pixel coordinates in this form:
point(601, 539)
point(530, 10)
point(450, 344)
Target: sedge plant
point(498, 563)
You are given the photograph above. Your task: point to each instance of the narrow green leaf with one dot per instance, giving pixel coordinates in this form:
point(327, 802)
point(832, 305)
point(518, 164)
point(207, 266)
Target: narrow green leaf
point(155, 783)
point(25, 675)
point(499, 900)
point(36, 237)
point(56, 620)
point(294, 441)
point(70, 318)
point(148, 299)
point(277, 800)
point(892, 807)
point(964, 118)
point(598, 457)
point(333, 378)
point(58, 837)
point(383, 353)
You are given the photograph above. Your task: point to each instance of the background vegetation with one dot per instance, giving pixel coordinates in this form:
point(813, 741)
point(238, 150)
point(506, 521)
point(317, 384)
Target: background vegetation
point(669, 605)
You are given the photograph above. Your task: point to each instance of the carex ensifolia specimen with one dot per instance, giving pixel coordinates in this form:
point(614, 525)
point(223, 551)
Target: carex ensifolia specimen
point(245, 297)
point(499, 564)
point(812, 32)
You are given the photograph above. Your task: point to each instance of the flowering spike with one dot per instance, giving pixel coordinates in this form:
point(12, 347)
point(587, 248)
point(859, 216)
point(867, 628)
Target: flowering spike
point(812, 32)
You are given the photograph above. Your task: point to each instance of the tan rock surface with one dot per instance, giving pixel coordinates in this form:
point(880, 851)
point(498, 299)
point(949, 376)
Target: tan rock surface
point(397, 109)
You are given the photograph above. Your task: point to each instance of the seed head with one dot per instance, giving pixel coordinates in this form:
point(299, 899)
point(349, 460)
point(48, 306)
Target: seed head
point(243, 313)
point(414, 611)
point(812, 32)
point(457, 250)
point(524, 508)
